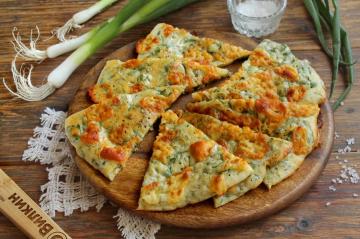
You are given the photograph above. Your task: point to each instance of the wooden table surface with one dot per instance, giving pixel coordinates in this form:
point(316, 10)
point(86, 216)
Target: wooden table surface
point(308, 217)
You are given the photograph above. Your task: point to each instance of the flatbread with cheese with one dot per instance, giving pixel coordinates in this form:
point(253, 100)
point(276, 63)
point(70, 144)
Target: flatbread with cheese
point(135, 75)
point(304, 133)
point(283, 169)
point(242, 142)
point(295, 80)
point(187, 167)
point(271, 70)
point(251, 182)
point(167, 41)
point(287, 120)
point(240, 86)
point(296, 122)
point(106, 134)
point(258, 149)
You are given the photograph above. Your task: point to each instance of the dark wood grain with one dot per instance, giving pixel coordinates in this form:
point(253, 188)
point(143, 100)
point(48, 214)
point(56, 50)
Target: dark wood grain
point(124, 189)
point(18, 118)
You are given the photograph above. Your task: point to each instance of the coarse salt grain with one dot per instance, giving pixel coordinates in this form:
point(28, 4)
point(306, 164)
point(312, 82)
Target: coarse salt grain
point(347, 149)
point(348, 174)
point(350, 141)
point(332, 188)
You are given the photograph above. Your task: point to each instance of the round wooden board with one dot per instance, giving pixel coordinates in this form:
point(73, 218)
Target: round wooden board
point(258, 203)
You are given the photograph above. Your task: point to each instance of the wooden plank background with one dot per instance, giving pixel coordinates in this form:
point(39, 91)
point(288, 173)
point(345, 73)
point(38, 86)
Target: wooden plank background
point(306, 218)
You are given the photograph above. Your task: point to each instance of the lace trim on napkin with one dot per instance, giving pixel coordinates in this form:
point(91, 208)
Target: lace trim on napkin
point(67, 190)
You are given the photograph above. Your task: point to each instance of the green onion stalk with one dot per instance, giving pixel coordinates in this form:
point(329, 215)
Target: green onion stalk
point(314, 7)
point(350, 70)
point(341, 52)
point(82, 17)
point(135, 12)
point(32, 53)
point(336, 46)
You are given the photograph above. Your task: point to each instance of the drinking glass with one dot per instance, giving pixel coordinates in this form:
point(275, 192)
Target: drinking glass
point(256, 26)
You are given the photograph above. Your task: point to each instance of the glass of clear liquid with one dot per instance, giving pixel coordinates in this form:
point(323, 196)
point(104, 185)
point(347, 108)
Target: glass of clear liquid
point(256, 18)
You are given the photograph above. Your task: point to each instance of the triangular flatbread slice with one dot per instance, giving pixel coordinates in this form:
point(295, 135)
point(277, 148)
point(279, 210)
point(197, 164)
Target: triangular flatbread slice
point(187, 167)
point(242, 142)
point(168, 41)
point(271, 70)
point(295, 79)
point(258, 149)
point(304, 133)
point(135, 75)
point(240, 87)
point(298, 124)
point(283, 169)
point(251, 182)
point(106, 134)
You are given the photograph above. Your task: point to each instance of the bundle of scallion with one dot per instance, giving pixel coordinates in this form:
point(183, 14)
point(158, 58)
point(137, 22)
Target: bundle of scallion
point(340, 52)
point(82, 17)
point(135, 12)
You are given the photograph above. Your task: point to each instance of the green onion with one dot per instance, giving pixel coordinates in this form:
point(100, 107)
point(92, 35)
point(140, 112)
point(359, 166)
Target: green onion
point(33, 54)
point(82, 17)
point(134, 13)
point(350, 71)
point(327, 5)
point(341, 53)
point(148, 12)
point(336, 45)
point(313, 13)
point(313, 6)
point(325, 17)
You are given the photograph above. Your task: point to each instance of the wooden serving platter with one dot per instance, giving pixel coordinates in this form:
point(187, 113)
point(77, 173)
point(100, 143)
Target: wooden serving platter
point(258, 203)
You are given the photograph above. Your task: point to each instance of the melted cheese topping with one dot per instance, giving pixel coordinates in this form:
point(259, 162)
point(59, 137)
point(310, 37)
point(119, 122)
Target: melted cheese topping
point(299, 139)
point(136, 75)
point(260, 58)
point(296, 93)
point(177, 184)
point(240, 86)
point(185, 175)
point(90, 136)
point(161, 148)
point(295, 79)
point(242, 142)
point(288, 72)
point(218, 185)
point(115, 154)
point(283, 169)
point(105, 134)
point(253, 181)
point(270, 116)
point(200, 150)
point(167, 41)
